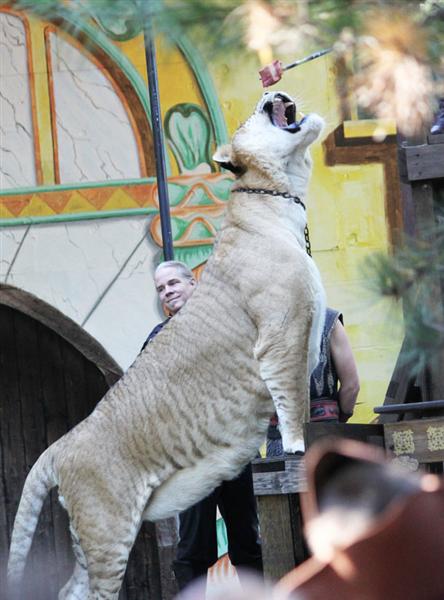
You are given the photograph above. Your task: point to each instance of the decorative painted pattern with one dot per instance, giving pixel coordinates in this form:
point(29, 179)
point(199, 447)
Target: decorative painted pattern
point(421, 439)
point(188, 133)
point(185, 192)
point(197, 209)
point(195, 199)
point(71, 200)
point(435, 438)
point(403, 442)
point(198, 201)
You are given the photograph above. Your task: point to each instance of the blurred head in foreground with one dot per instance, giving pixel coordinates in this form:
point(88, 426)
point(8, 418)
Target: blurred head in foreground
point(368, 522)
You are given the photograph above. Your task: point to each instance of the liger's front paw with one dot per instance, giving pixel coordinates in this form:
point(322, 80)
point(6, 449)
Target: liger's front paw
point(297, 447)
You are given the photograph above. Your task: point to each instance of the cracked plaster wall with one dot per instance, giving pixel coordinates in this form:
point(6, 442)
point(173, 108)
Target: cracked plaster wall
point(98, 273)
point(95, 139)
point(17, 163)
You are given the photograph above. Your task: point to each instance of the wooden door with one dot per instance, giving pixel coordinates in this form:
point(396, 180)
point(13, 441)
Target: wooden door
point(46, 387)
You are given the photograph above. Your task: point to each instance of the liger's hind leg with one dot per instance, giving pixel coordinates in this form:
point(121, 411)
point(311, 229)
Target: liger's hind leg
point(77, 586)
point(106, 568)
point(110, 539)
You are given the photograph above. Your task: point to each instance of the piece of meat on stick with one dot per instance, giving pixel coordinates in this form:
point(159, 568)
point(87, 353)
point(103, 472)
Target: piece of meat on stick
point(272, 73)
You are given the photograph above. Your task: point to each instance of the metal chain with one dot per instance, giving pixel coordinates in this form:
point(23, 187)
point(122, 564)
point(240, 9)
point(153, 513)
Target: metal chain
point(307, 240)
point(295, 199)
point(262, 191)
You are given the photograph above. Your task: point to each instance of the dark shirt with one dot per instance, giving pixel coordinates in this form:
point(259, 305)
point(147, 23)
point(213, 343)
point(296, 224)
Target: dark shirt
point(324, 379)
point(154, 332)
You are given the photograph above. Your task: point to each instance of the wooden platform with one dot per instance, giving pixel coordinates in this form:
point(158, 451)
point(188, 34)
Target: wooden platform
point(424, 162)
point(278, 483)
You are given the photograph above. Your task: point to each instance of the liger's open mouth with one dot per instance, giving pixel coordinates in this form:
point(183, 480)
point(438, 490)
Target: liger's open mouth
point(282, 112)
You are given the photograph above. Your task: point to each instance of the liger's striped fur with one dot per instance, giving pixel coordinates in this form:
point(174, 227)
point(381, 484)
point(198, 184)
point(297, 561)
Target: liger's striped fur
point(194, 407)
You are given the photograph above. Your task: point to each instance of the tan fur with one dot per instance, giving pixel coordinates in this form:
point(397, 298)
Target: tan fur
point(194, 407)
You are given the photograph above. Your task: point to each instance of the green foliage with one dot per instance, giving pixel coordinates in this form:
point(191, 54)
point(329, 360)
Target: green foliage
point(219, 26)
point(413, 274)
point(122, 19)
point(204, 21)
point(432, 12)
point(332, 16)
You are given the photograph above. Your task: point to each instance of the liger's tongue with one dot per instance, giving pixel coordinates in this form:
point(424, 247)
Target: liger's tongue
point(278, 113)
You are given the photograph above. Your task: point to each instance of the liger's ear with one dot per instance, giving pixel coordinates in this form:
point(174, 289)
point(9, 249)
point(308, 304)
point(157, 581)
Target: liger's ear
point(224, 157)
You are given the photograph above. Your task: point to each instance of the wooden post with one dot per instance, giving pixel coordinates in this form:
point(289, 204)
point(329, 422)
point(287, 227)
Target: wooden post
point(167, 537)
point(277, 484)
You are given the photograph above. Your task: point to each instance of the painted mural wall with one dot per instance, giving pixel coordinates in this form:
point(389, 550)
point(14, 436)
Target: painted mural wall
point(78, 203)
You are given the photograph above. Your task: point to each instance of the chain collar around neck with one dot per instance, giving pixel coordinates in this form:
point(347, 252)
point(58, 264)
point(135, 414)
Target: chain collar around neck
point(295, 199)
point(264, 192)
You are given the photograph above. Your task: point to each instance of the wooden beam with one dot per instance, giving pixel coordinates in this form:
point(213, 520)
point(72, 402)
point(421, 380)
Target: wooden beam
point(438, 138)
point(423, 162)
point(284, 475)
point(422, 440)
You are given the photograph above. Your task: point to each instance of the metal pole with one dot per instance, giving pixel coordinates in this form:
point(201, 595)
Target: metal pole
point(296, 63)
point(159, 152)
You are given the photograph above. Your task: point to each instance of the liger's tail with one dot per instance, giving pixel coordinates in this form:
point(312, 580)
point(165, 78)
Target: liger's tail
point(40, 480)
